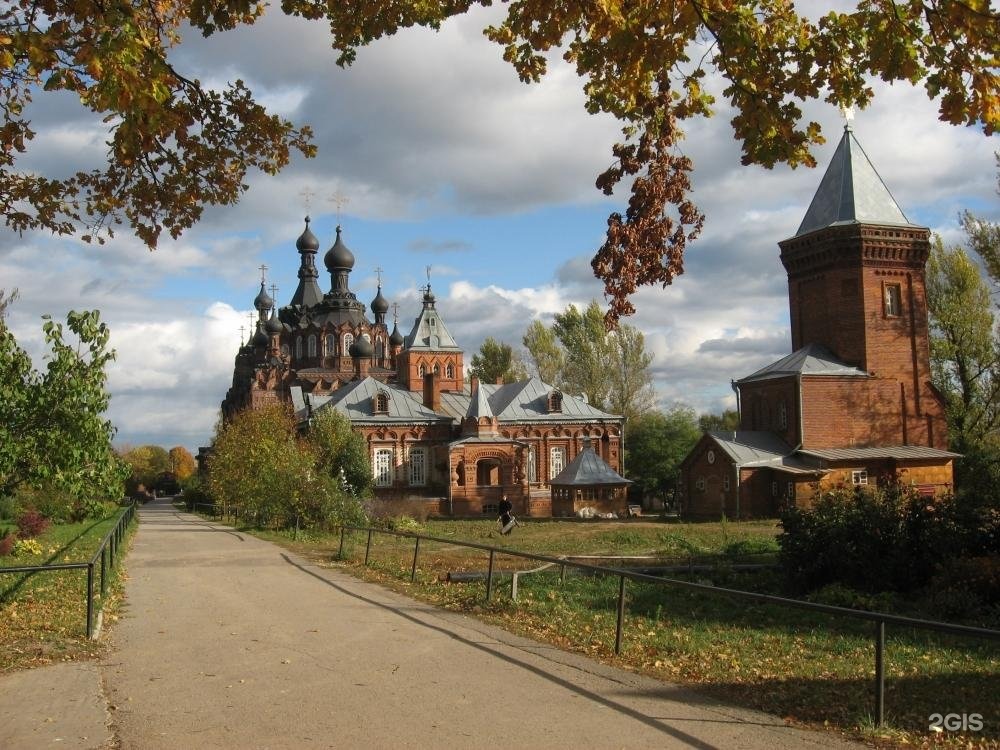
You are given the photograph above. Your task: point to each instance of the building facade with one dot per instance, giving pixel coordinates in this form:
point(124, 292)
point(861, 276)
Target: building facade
point(453, 446)
point(853, 403)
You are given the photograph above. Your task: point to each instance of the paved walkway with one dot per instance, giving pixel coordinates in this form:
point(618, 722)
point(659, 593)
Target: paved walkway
point(231, 642)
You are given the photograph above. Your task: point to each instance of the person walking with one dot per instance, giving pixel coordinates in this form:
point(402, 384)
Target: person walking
point(507, 520)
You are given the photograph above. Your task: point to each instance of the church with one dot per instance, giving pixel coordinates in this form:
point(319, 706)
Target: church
point(853, 404)
point(454, 447)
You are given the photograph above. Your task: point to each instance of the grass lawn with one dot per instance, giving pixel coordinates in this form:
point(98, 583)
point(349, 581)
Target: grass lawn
point(810, 668)
point(43, 616)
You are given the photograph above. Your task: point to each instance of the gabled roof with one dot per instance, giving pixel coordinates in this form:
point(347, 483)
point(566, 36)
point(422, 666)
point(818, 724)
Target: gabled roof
point(811, 359)
point(851, 192)
point(429, 332)
point(529, 399)
point(751, 448)
point(356, 400)
point(588, 469)
point(479, 405)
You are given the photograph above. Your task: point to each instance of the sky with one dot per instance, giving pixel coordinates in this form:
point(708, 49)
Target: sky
point(447, 160)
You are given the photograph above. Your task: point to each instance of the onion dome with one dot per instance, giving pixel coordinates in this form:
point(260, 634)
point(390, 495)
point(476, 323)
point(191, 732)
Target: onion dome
point(395, 338)
point(273, 325)
point(262, 301)
point(307, 240)
point(338, 256)
point(380, 305)
point(260, 338)
point(362, 347)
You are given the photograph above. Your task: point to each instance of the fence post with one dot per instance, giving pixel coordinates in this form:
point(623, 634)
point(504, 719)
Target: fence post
point(621, 614)
point(90, 600)
point(368, 547)
point(879, 673)
point(562, 573)
point(340, 552)
point(104, 570)
point(489, 579)
point(413, 570)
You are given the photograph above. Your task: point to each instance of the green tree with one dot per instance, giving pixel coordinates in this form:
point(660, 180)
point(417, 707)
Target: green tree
point(631, 392)
point(965, 363)
point(497, 361)
point(176, 145)
point(588, 354)
point(655, 444)
point(341, 451)
point(147, 463)
point(52, 426)
point(728, 421)
point(547, 355)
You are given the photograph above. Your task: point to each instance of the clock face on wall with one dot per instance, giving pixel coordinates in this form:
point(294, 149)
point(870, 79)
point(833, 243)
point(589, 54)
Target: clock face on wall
point(711, 457)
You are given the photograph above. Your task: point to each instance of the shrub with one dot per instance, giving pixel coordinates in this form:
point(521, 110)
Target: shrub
point(979, 576)
point(747, 547)
point(32, 524)
point(7, 544)
point(27, 548)
point(885, 538)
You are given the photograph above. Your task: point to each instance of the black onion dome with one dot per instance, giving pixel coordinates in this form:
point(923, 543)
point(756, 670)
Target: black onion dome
point(395, 338)
point(380, 304)
point(362, 347)
point(260, 338)
point(307, 240)
point(273, 325)
point(338, 256)
point(262, 301)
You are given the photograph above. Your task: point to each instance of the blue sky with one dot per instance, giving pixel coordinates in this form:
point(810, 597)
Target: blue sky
point(449, 161)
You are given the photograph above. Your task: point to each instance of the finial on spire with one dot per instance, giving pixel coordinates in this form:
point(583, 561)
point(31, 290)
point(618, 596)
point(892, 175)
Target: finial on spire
point(339, 200)
point(378, 275)
point(847, 112)
point(263, 273)
point(395, 312)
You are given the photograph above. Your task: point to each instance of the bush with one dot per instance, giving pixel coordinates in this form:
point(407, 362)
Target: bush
point(839, 595)
point(7, 544)
point(979, 576)
point(748, 547)
point(885, 538)
point(32, 524)
point(27, 548)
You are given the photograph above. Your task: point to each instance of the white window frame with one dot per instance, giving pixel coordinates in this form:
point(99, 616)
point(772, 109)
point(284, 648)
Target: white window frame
point(347, 341)
point(859, 477)
point(557, 460)
point(382, 467)
point(532, 465)
point(418, 467)
point(893, 303)
point(450, 370)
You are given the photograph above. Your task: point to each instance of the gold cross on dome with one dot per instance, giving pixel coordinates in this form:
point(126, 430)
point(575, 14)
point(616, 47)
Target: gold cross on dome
point(339, 200)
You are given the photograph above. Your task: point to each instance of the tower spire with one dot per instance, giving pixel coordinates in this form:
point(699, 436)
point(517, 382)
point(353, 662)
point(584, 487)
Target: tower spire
point(308, 293)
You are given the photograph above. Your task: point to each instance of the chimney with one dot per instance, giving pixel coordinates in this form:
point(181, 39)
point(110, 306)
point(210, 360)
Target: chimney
point(473, 384)
point(432, 392)
point(500, 380)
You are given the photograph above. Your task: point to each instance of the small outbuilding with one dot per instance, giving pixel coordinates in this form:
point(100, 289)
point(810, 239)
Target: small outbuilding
point(588, 482)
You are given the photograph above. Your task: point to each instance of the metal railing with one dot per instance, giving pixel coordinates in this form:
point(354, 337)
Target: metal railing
point(104, 559)
point(878, 619)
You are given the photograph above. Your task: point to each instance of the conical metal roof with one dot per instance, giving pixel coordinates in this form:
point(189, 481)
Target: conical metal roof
point(851, 192)
point(588, 469)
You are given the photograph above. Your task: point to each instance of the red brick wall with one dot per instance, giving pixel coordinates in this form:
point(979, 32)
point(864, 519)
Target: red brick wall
point(761, 406)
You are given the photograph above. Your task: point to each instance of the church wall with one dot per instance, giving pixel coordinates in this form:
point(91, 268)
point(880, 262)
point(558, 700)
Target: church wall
point(851, 412)
point(773, 406)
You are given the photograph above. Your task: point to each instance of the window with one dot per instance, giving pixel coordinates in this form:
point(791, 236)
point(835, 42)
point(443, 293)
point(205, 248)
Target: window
point(298, 347)
point(774, 489)
point(859, 477)
point(700, 484)
point(532, 465)
point(557, 461)
point(348, 340)
point(791, 490)
point(379, 348)
point(782, 416)
point(285, 350)
point(555, 402)
point(893, 300)
point(381, 405)
point(437, 369)
point(418, 467)
point(312, 346)
point(725, 483)
point(450, 372)
point(331, 345)
point(421, 371)
point(382, 467)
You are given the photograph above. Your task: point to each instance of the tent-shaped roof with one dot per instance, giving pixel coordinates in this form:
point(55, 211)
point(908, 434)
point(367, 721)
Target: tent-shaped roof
point(851, 192)
point(811, 359)
point(588, 469)
point(356, 400)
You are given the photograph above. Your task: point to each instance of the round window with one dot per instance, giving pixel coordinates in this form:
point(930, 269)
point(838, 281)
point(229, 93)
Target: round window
point(711, 457)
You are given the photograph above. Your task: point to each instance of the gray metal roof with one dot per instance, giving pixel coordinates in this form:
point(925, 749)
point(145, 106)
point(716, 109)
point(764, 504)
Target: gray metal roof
point(897, 452)
point(356, 400)
point(429, 331)
point(479, 405)
point(588, 469)
point(523, 401)
point(752, 449)
point(851, 192)
point(811, 359)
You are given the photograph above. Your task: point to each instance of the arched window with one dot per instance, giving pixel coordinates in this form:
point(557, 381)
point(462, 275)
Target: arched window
point(298, 347)
point(312, 346)
point(331, 345)
point(421, 371)
point(557, 461)
point(418, 467)
point(450, 371)
point(555, 402)
point(284, 350)
point(348, 340)
point(437, 369)
point(381, 405)
point(379, 349)
point(532, 465)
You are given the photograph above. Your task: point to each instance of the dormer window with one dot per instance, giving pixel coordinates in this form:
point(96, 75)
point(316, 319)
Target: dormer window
point(555, 402)
point(381, 405)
